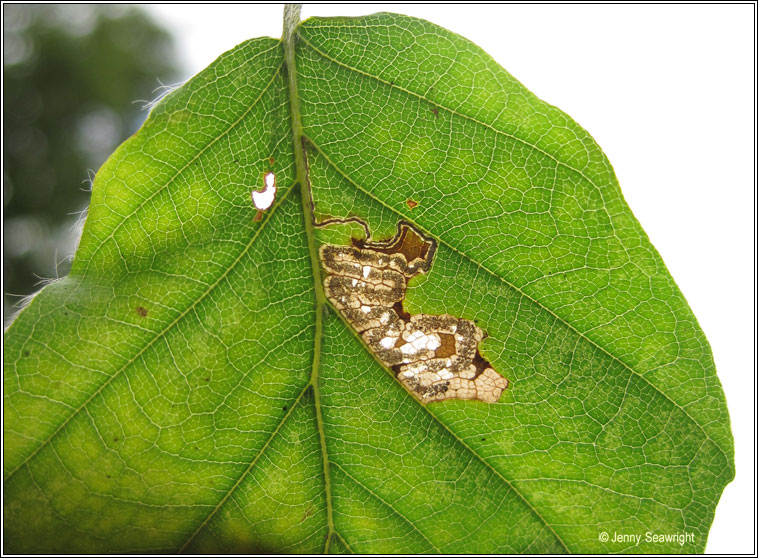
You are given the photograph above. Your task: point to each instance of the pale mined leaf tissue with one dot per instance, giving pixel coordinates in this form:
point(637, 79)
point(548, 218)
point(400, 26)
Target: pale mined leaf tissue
point(435, 357)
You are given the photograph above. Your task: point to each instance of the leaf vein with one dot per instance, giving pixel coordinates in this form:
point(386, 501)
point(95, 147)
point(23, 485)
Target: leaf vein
point(451, 111)
point(161, 334)
point(522, 293)
point(384, 502)
point(249, 468)
point(186, 166)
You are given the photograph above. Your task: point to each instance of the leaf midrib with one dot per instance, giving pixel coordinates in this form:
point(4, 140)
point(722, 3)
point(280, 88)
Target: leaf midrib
point(289, 36)
point(307, 199)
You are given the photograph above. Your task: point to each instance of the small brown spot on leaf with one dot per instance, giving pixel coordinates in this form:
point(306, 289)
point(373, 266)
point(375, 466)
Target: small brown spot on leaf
point(435, 111)
point(308, 512)
point(258, 216)
point(410, 203)
point(271, 161)
point(142, 311)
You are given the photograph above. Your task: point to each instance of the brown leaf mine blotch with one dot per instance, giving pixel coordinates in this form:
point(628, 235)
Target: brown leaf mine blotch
point(434, 357)
point(410, 203)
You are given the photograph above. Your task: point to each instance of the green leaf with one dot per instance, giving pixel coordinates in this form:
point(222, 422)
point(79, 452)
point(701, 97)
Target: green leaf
point(187, 387)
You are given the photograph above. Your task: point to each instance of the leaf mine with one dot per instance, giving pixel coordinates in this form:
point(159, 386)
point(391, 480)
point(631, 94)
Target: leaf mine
point(434, 357)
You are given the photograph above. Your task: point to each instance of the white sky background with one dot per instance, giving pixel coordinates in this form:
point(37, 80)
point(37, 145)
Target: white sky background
point(668, 93)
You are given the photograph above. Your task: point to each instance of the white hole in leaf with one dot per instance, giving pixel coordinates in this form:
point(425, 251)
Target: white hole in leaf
point(264, 198)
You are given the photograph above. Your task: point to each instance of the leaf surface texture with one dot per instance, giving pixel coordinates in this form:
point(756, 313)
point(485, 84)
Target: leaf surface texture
point(174, 392)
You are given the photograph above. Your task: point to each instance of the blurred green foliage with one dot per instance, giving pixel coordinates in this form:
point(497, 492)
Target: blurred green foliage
point(73, 78)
